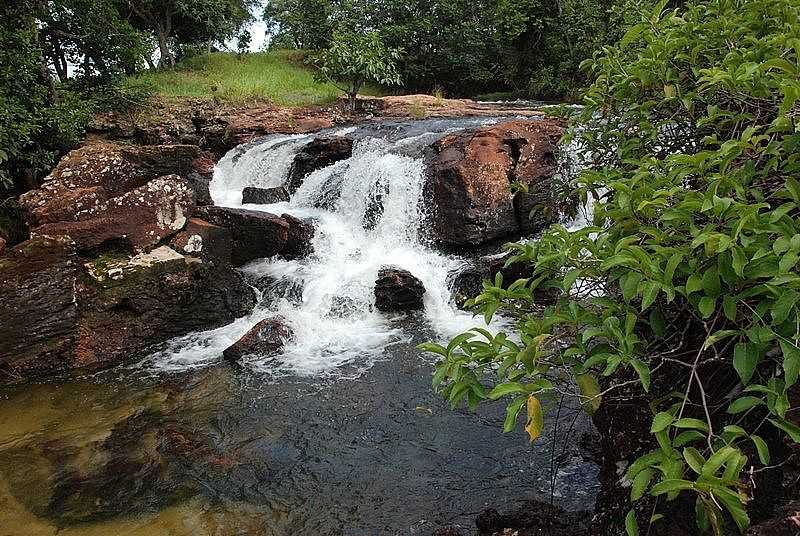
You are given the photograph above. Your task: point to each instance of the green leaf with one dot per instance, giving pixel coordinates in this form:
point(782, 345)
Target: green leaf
point(670, 485)
point(643, 371)
point(791, 362)
point(661, 421)
point(695, 424)
point(631, 527)
point(762, 448)
point(504, 389)
point(694, 459)
point(590, 391)
point(640, 483)
point(707, 306)
point(650, 293)
point(743, 404)
point(717, 460)
point(746, 356)
point(792, 429)
point(733, 504)
point(784, 305)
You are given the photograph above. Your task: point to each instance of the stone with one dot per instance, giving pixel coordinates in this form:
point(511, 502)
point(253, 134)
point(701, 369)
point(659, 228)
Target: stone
point(200, 186)
point(398, 290)
point(134, 221)
point(264, 196)
point(320, 153)
point(2, 245)
point(255, 234)
point(301, 233)
point(470, 182)
point(90, 176)
point(266, 338)
point(209, 242)
point(57, 314)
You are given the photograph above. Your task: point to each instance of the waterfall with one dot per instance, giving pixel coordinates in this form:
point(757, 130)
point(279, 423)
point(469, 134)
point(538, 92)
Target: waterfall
point(328, 298)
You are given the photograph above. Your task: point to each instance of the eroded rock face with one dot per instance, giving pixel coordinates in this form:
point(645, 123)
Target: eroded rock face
point(57, 313)
point(268, 337)
point(87, 178)
point(264, 196)
point(320, 153)
point(137, 220)
point(398, 290)
point(471, 176)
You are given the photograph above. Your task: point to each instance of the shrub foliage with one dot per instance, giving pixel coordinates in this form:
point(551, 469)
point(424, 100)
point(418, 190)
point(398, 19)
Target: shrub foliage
point(686, 284)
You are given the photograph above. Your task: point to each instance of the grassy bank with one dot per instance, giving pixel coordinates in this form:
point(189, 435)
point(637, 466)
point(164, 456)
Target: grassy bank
point(278, 77)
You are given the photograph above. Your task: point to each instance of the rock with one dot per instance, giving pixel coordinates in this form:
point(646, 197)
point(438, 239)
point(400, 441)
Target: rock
point(785, 523)
point(398, 290)
point(88, 177)
point(268, 337)
point(200, 186)
point(135, 220)
point(264, 196)
point(447, 531)
point(13, 228)
point(301, 233)
point(56, 314)
point(320, 153)
point(2, 245)
point(471, 176)
point(255, 234)
point(211, 243)
point(38, 308)
point(534, 518)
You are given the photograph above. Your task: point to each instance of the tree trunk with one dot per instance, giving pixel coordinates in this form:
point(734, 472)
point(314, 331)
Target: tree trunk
point(166, 60)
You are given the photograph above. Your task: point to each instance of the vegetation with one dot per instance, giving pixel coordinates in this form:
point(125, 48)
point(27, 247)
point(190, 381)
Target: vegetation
point(687, 282)
point(465, 47)
point(280, 77)
point(354, 58)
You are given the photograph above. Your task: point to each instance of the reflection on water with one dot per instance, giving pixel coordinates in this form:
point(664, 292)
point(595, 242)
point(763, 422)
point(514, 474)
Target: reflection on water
point(220, 451)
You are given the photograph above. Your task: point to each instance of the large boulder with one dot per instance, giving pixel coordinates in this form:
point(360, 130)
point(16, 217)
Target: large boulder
point(255, 234)
point(398, 290)
point(211, 243)
point(301, 233)
point(135, 220)
point(88, 177)
point(320, 153)
point(264, 196)
point(471, 176)
point(267, 338)
point(57, 313)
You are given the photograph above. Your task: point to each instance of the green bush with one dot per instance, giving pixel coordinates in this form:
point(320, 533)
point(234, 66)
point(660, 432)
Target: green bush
point(691, 263)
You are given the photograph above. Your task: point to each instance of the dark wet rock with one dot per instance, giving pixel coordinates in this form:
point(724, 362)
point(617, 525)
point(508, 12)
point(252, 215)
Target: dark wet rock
point(320, 153)
point(447, 531)
point(255, 234)
point(535, 518)
point(38, 309)
point(471, 176)
point(786, 522)
point(264, 196)
point(398, 290)
point(268, 337)
point(87, 178)
point(138, 219)
point(209, 242)
point(13, 228)
point(57, 315)
point(343, 306)
point(467, 283)
point(200, 186)
point(301, 233)
point(2, 245)
point(374, 211)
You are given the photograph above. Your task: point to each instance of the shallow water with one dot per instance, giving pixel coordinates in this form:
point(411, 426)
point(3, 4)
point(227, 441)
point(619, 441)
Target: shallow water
point(339, 434)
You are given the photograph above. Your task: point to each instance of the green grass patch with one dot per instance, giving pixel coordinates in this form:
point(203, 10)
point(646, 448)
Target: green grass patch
point(279, 77)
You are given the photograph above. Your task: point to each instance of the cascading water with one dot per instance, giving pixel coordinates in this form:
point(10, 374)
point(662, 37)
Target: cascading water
point(368, 212)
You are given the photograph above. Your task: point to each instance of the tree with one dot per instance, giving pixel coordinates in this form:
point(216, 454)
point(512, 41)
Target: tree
point(684, 294)
point(188, 21)
point(300, 24)
point(355, 58)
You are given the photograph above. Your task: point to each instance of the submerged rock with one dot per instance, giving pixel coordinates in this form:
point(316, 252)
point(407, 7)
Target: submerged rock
point(398, 290)
point(471, 176)
point(264, 196)
point(255, 234)
point(267, 338)
point(320, 153)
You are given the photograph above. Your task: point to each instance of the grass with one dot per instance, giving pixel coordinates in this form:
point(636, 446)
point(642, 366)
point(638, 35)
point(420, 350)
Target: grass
point(279, 77)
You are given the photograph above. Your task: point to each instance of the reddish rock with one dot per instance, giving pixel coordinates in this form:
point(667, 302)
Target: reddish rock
point(398, 290)
point(301, 232)
point(471, 177)
point(320, 153)
point(255, 234)
point(2, 245)
point(57, 314)
point(209, 242)
point(268, 337)
point(139, 219)
point(87, 178)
